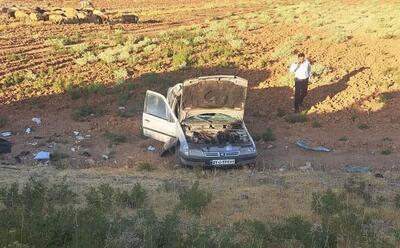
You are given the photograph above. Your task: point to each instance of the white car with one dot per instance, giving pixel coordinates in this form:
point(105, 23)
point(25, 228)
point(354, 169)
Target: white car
point(202, 119)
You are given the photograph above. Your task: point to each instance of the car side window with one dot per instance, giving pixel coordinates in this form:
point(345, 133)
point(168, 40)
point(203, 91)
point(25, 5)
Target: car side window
point(156, 106)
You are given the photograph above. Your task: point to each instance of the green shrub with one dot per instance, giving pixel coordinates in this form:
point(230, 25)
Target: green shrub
point(386, 152)
point(296, 118)
point(194, 200)
point(182, 58)
point(280, 112)
point(79, 48)
point(268, 135)
point(318, 70)
point(283, 50)
point(85, 111)
point(108, 56)
point(133, 199)
point(3, 121)
point(73, 92)
point(340, 37)
point(14, 79)
point(316, 124)
point(363, 126)
point(397, 201)
point(145, 167)
point(120, 74)
point(115, 139)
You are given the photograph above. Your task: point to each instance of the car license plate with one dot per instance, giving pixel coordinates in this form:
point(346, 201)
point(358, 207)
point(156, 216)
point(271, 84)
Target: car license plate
point(223, 162)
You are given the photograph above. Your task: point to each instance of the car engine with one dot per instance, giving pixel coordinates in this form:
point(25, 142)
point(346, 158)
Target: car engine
point(215, 133)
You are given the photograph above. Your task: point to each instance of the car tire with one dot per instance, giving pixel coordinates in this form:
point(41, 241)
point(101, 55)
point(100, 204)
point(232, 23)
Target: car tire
point(178, 160)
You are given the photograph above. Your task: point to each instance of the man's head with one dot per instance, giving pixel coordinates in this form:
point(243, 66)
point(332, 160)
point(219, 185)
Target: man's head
point(301, 57)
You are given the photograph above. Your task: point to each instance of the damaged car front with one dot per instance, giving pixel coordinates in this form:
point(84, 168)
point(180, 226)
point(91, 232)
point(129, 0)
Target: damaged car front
point(210, 130)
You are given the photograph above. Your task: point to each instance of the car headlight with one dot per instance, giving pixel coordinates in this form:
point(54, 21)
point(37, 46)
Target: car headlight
point(196, 152)
point(247, 150)
point(185, 149)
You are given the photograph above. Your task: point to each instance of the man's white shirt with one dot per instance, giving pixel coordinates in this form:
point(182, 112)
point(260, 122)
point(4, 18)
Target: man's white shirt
point(302, 71)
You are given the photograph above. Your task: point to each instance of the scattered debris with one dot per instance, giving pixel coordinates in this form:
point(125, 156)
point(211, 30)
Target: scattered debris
point(151, 148)
point(244, 196)
point(79, 137)
point(86, 154)
point(73, 149)
point(76, 133)
point(121, 108)
point(33, 143)
point(270, 146)
point(37, 120)
point(6, 134)
point(42, 155)
point(282, 169)
point(5, 146)
point(90, 161)
point(378, 175)
point(105, 157)
point(28, 130)
point(21, 155)
point(306, 167)
point(301, 143)
point(356, 169)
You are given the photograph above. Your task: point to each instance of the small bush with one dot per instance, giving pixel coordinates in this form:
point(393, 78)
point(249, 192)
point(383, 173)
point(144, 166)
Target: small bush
point(268, 135)
point(340, 37)
point(181, 58)
point(133, 199)
point(83, 112)
point(108, 56)
point(363, 126)
point(79, 48)
point(280, 112)
point(194, 200)
point(385, 97)
point(14, 79)
point(73, 92)
point(283, 50)
point(236, 44)
point(397, 201)
point(316, 124)
point(145, 167)
point(344, 138)
point(318, 70)
point(3, 121)
point(120, 74)
point(296, 118)
point(115, 139)
point(386, 152)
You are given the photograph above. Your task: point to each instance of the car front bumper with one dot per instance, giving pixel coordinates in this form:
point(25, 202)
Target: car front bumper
point(241, 160)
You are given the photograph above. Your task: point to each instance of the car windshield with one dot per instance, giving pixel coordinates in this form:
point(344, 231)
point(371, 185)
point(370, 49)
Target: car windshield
point(212, 117)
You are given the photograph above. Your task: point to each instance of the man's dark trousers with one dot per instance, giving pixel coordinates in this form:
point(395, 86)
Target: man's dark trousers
point(300, 92)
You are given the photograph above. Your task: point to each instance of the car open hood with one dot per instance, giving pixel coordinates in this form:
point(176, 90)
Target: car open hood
point(214, 94)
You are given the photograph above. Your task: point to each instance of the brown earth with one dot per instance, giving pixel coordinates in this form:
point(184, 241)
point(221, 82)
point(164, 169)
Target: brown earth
point(343, 100)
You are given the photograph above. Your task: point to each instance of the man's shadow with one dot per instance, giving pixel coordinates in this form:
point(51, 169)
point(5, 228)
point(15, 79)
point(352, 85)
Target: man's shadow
point(319, 94)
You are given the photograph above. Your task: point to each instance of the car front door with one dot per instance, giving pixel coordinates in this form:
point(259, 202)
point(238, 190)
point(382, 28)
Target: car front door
point(159, 122)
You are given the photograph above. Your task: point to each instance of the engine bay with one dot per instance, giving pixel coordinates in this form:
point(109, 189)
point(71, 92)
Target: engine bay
point(215, 129)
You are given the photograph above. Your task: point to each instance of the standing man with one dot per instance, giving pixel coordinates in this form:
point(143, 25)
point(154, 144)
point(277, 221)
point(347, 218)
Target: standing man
point(302, 73)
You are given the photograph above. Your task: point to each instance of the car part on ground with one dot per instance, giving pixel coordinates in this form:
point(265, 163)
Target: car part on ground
point(301, 143)
point(5, 146)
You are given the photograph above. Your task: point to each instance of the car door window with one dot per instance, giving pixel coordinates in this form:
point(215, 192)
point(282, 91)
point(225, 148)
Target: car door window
point(156, 106)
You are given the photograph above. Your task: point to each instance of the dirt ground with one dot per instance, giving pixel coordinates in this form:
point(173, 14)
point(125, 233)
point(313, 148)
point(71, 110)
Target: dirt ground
point(352, 109)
